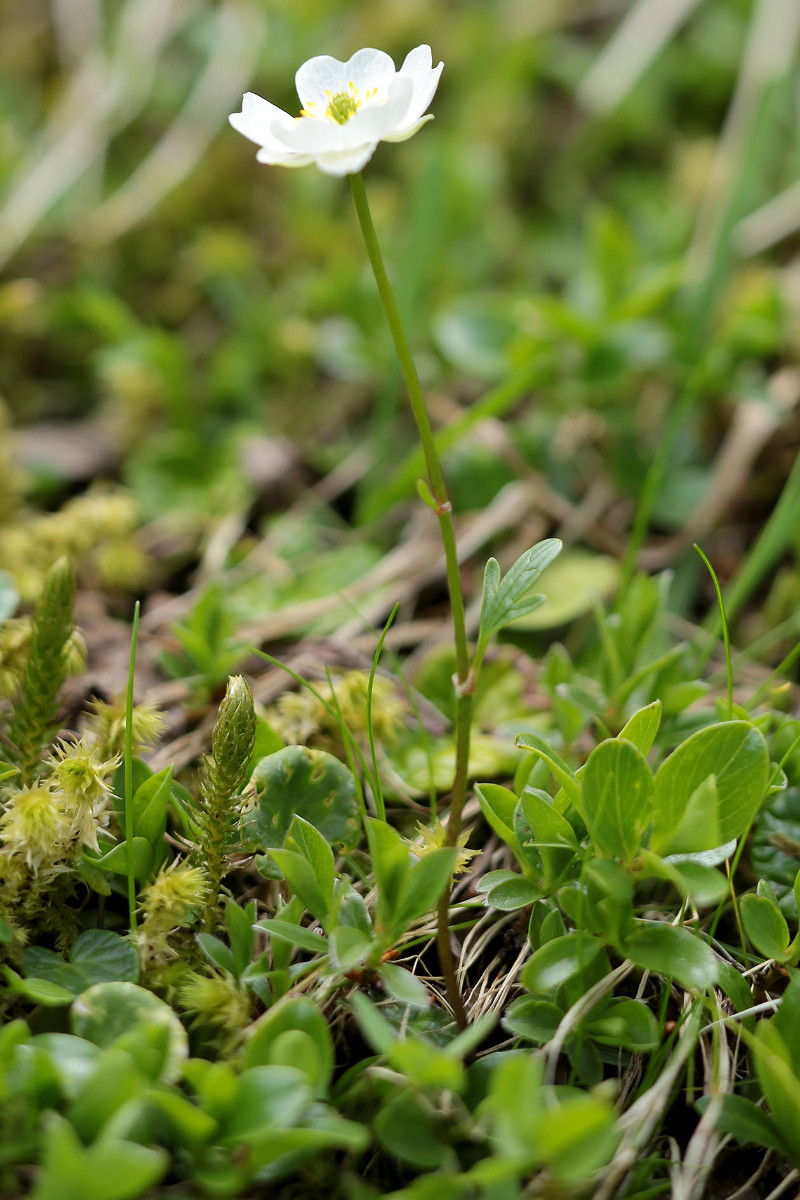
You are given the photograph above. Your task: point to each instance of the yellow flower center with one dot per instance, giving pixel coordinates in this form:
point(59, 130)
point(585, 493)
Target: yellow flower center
point(342, 106)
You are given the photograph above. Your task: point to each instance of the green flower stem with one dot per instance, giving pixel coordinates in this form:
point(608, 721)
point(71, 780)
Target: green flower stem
point(464, 679)
point(128, 772)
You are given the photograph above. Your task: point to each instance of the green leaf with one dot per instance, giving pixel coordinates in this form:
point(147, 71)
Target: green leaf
point(150, 808)
point(557, 961)
point(698, 830)
point(305, 783)
point(553, 838)
point(111, 1169)
point(40, 963)
point(73, 1058)
point(534, 1019)
point(116, 860)
point(303, 883)
point(298, 935)
point(765, 926)
point(626, 1023)
point(736, 989)
point(507, 599)
point(672, 952)
point(391, 860)
point(266, 1039)
point(787, 1022)
point(269, 1098)
point(609, 900)
point(576, 1137)
point(735, 754)
point(217, 953)
point(572, 585)
point(115, 1081)
point(404, 987)
point(617, 788)
point(304, 838)
point(110, 1013)
point(746, 1121)
point(192, 1127)
point(374, 1026)
point(102, 956)
point(40, 991)
point(425, 883)
point(642, 728)
point(701, 884)
point(7, 771)
point(508, 891)
point(348, 946)
point(406, 1129)
point(497, 805)
point(565, 777)
point(779, 1083)
point(241, 933)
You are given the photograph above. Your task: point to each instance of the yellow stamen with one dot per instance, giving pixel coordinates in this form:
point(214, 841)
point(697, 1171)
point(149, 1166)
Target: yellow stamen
point(341, 107)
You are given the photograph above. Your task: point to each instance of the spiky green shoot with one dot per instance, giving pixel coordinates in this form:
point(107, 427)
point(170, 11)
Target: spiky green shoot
point(30, 726)
point(218, 806)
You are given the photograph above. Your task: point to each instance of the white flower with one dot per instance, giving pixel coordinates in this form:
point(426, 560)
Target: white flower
point(347, 109)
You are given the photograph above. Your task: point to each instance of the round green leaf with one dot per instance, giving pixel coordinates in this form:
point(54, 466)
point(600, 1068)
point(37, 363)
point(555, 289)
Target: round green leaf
point(297, 781)
point(102, 956)
point(731, 756)
point(109, 1011)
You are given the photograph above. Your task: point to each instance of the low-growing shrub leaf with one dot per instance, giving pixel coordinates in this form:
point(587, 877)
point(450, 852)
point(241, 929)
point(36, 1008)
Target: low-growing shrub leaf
point(559, 960)
point(765, 926)
point(564, 775)
point(617, 787)
point(673, 952)
point(627, 1023)
point(746, 1122)
point(403, 986)
point(534, 1019)
point(735, 754)
point(109, 1013)
point(642, 727)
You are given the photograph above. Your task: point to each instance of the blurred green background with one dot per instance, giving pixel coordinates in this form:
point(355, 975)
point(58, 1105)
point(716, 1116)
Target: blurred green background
point(598, 231)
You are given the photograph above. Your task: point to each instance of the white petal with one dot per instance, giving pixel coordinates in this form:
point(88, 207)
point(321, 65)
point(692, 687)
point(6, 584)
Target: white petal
point(370, 123)
point(366, 69)
point(417, 68)
point(347, 162)
point(406, 131)
point(283, 157)
point(256, 118)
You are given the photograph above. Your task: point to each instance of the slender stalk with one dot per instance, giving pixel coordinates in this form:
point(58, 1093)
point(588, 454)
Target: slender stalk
point(129, 771)
point(464, 681)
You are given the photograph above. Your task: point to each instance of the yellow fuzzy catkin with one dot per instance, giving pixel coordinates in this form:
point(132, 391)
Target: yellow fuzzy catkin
point(107, 723)
point(298, 716)
point(96, 526)
point(35, 826)
point(218, 1002)
point(82, 778)
point(170, 902)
